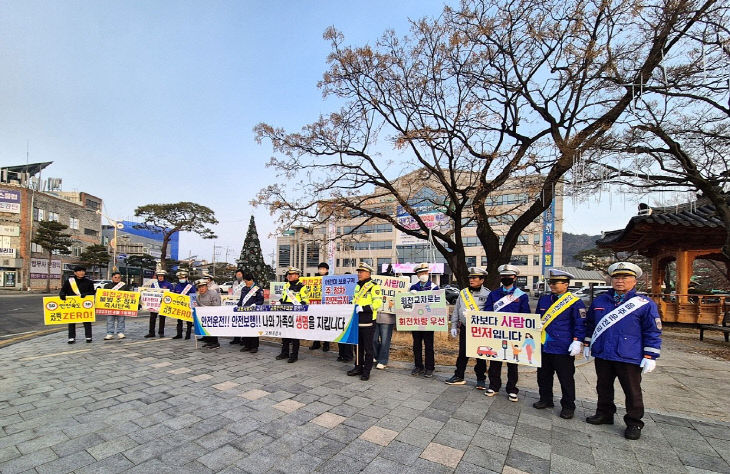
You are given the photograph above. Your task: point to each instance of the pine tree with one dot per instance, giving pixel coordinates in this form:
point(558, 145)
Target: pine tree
point(251, 258)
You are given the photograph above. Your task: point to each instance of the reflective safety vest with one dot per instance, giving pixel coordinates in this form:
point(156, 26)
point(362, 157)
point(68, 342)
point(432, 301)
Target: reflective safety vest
point(369, 294)
point(300, 291)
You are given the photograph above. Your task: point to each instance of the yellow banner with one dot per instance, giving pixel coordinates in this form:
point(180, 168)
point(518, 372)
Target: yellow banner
point(116, 303)
point(73, 309)
point(315, 288)
point(176, 306)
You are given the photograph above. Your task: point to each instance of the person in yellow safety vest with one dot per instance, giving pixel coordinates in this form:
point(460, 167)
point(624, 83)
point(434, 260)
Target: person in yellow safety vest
point(368, 299)
point(294, 293)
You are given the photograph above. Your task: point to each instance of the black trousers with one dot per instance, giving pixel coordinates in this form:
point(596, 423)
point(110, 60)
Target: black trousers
point(250, 342)
point(629, 376)
point(365, 352)
point(72, 330)
point(495, 376)
point(421, 338)
point(345, 351)
point(188, 329)
point(480, 369)
point(161, 330)
point(564, 366)
point(285, 342)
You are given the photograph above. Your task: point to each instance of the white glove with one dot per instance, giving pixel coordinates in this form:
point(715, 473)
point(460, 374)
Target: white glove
point(587, 352)
point(647, 365)
point(575, 348)
point(454, 331)
point(358, 308)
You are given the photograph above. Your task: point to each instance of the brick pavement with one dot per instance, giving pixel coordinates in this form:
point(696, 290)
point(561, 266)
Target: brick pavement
point(142, 405)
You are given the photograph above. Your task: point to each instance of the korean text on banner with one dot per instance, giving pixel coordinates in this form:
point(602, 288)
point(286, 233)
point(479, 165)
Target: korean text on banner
point(116, 303)
point(422, 311)
point(176, 306)
point(507, 337)
point(391, 286)
point(10, 201)
point(338, 289)
point(315, 288)
point(150, 298)
point(276, 289)
point(73, 309)
point(328, 322)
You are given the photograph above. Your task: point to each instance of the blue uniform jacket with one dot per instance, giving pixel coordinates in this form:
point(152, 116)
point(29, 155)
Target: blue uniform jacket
point(569, 326)
point(522, 305)
point(637, 335)
point(257, 299)
point(418, 286)
point(179, 287)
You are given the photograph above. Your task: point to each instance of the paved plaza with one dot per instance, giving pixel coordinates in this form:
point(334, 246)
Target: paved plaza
point(159, 406)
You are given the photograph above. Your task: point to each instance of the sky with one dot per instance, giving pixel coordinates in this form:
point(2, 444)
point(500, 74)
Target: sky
point(141, 102)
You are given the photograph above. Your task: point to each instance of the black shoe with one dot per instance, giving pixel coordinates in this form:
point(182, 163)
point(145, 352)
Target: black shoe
point(365, 377)
point(540, 405)
point(314, 346)
point(416, 371)
point(632, 432)
point(245, 349)
point(293, 359)
point(326, 347)
point(355, 371)
point(177, 336)
point(160, 334)
point(187, 336)
point(598, 419)
point(88, 339)
point(282, 356)
point(454, 380)
point(149, 335)
point(566, 413)
point(235, 340)
point(340, 359)
point(213, 346)
point(254, 350)
point(428, 374)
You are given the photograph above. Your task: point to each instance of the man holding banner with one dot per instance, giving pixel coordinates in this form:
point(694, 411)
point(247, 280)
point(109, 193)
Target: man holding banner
point(472, 298)
point(235, 292)
point(623, 333)
point(183, 287)
point(323, 270)
point(251, 295)
point(206, 297)
point(423, 338)
point(509, 299)
point(118, 320)
point(368, 299)
point(294, 294)
point(563, 330)
point(77, 285)
point(161, 284)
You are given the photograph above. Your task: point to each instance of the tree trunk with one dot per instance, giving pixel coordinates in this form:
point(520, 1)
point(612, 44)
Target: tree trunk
point(163, 250)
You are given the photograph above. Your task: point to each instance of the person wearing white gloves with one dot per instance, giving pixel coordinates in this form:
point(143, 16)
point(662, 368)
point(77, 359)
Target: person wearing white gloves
point(562, 315)
point(623, 332)
point(474, 297)
point(423, 339)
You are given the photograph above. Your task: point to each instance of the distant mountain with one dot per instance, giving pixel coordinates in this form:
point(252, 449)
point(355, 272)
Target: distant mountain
point(574, 243)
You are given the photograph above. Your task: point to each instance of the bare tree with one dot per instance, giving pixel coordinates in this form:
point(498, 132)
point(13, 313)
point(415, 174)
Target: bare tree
point(487, 95)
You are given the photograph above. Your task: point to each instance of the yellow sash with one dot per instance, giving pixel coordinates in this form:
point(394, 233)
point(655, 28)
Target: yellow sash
point(364, 289)
point(555, 310)
point(74, 286)
point(468, 299)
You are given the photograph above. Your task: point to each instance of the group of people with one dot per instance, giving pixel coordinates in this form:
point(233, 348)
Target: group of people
point(621, 330)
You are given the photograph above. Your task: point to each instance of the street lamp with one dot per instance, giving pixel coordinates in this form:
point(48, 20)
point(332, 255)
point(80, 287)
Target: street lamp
point(116, 225)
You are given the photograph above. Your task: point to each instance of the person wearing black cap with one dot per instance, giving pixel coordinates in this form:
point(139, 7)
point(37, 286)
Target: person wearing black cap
point(251, 295)
point(77, 285)
point(563, 330)
point(323, 269)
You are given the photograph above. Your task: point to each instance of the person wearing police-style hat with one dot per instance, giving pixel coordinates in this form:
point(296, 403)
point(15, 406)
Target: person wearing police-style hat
point(184, 287)
point(323, 269)
point(206, 297)
point(294, 293)
point(423, 338)
point(509, 299)
point(623, 334)
point(77, 285)
point(159, 283)
point(472, 298)
point(368, 299)
point(563, 329)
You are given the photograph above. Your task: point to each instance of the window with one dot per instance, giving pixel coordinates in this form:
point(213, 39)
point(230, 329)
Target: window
point(76, 251)
point(284, 255)
point(521, 281)
point(53, 216)
point(471, 242)
point(484, 261)
point(468, 222)
point(471, 261)
point(349, 262)
point(381, 262)
point(73, 223)
point(536, 239)
point(513, 198)
point(90, 204)
point(374, 245)
point(90, 232)
point(523, 239)
point(536, 260)
point(38, 214)
point(418, 253)
point(507, 219)
point(312, 255)
point(365, 229)
point(369, 261)
point(36, 248)
point(518, 260)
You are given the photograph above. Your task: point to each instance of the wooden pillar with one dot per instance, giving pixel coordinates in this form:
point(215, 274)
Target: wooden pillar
point(684, 272)
point(656, 275)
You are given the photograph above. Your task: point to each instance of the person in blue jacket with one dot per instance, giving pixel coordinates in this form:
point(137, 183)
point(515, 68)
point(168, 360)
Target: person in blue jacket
point(623, 333)
point(251, 295)
point(563, 331)
point(423, 338)
point(183, 287)
point(507, 299)
point(158, 283)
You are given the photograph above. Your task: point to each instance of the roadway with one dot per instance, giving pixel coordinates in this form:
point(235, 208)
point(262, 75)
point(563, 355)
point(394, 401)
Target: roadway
point(21, 317)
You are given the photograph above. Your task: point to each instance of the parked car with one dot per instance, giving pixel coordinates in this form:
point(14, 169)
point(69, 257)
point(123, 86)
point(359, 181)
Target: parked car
point(486, 351)
point(99, 283)
point(224, 287)
point(584, 293)
point(452, 293)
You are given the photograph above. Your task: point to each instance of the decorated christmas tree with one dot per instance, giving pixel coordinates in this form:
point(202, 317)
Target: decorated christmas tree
point(251, 258)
